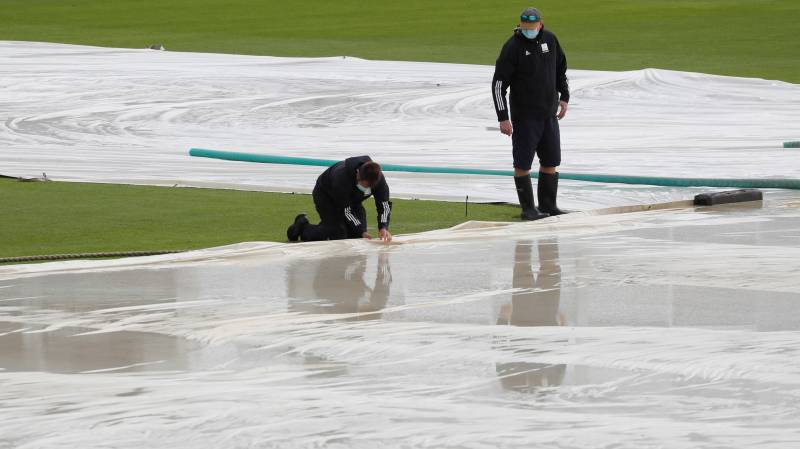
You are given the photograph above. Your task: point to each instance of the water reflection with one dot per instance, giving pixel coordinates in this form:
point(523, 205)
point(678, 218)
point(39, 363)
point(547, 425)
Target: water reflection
point(537, 305)
point(337, 285)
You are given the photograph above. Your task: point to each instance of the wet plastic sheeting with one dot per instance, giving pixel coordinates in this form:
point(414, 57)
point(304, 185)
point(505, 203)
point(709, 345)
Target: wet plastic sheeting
point(669, 328)
point(126, 115)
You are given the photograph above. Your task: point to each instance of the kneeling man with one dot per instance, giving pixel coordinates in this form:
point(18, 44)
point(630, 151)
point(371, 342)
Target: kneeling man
point(338, 195)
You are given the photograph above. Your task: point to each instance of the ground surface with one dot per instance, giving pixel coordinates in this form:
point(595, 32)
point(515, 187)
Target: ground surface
point(670, 328)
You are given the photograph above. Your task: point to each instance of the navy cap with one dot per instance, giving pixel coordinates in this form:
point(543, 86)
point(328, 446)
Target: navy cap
point(530, 15)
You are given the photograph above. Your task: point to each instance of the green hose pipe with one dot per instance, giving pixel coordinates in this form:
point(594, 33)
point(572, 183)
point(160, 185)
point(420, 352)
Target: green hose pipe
point(742, 183)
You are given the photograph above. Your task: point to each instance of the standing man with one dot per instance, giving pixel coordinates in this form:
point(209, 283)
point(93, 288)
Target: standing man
point(533, 64)
point(338, 195)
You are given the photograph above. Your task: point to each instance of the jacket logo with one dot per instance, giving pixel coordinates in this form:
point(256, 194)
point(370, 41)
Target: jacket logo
point(544, 48)
point(527, 53)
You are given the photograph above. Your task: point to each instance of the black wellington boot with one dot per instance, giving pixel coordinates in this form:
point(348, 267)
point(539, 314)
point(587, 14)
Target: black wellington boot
point(525, 195)
point(547, 189)
point(296, 229)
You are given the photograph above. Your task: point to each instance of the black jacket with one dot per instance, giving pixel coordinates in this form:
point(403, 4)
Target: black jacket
point(338, 184)
point(536, 70)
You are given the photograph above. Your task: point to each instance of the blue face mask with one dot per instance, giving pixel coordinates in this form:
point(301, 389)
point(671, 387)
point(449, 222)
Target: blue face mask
point(365, 190)
point(530, 34)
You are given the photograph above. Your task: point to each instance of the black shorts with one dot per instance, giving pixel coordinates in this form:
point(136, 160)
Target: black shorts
point(536, 137)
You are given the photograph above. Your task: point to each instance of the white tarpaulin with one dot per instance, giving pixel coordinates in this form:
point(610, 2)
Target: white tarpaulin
point(675, 327)
point(672, 328)
point(119, 115)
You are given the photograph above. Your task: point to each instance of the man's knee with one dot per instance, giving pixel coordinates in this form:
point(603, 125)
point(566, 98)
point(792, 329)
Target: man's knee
point(547, 169)
point(324, 231)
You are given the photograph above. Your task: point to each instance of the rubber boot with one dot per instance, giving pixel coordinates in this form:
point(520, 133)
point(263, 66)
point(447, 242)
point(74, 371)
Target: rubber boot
point(296, 229)
point(547, 189)
point(525, 195)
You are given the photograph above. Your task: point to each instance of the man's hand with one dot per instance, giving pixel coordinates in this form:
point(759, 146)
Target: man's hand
point(386, 236)
point(506, 128)
point(366, 235)
point(563, 109)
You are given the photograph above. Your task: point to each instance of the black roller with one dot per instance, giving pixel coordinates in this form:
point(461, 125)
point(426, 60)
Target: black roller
point(731, 196)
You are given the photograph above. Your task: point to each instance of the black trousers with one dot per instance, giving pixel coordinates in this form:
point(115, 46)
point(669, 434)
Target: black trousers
point(334, 222)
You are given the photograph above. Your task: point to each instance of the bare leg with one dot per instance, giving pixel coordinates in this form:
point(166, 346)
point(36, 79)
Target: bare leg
point(518, 172)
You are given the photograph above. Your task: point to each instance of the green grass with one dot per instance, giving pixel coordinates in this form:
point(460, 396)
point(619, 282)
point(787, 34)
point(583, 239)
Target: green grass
point(58, 217)
point(731, 37)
